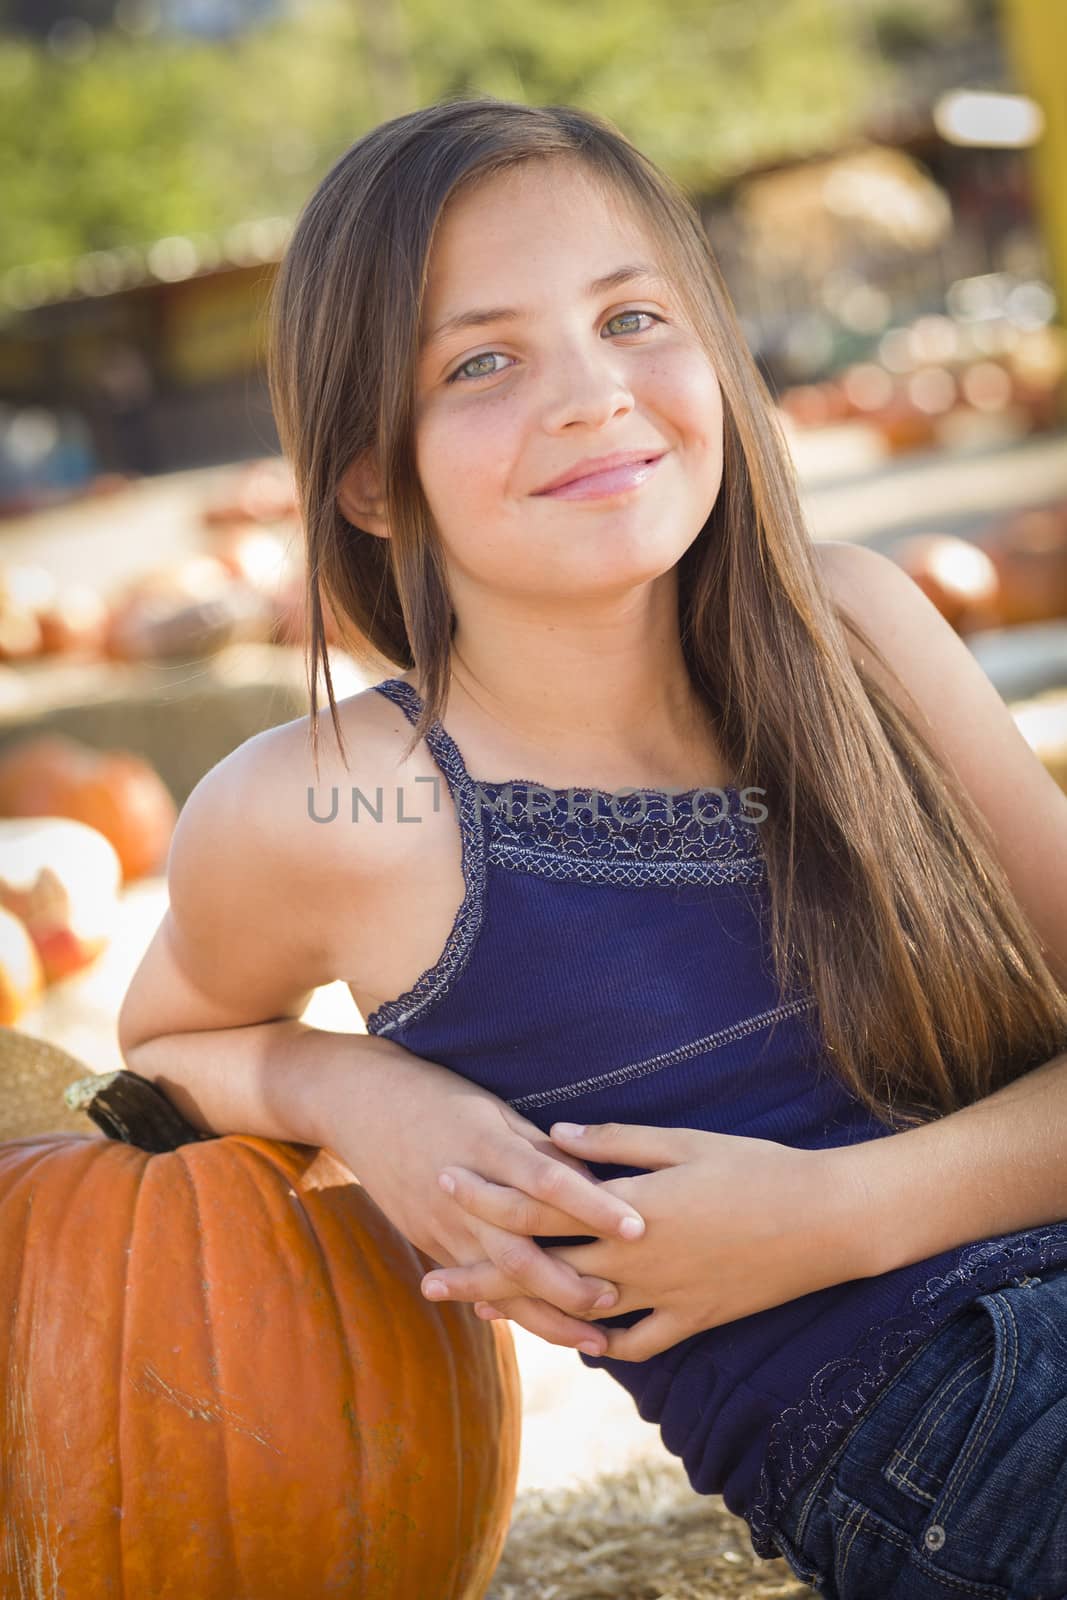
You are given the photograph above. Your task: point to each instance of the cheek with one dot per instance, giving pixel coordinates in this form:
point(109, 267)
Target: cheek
point(686, 391)
point(703, 406)
point(461, 454)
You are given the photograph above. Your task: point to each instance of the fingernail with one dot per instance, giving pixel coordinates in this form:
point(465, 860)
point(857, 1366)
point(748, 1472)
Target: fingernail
point(590, 1348)
point(435, 1291)
point(568, 1130)
point(632, 1227)
point(447, 1184)
point(606, 1299)
point(486, 1312)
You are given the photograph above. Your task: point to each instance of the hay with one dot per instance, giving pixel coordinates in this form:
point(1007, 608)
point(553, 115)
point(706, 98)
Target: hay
point(642, 1534)
point(33, 1075)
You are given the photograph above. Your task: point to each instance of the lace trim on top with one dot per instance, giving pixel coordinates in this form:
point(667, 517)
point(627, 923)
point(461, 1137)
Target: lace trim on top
point(802, 1437)
point(588, 835)
point(647, 836)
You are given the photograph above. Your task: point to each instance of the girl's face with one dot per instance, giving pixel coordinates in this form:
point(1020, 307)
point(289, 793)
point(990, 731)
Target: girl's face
point(508, 405)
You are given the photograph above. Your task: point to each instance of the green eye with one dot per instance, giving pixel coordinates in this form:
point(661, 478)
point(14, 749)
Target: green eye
point(485, 355)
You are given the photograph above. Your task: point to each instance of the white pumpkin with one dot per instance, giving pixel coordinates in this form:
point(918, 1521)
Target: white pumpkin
point(21, 974)
point(62, 879)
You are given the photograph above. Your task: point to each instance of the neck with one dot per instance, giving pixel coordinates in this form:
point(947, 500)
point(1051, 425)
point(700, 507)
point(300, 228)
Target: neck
point(603, 716)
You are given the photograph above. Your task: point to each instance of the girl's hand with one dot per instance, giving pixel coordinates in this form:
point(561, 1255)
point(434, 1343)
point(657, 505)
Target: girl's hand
point(734, 1226)
point(406, 1118)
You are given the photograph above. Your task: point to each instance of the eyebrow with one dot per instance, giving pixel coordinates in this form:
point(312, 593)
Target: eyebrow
point(480, 317)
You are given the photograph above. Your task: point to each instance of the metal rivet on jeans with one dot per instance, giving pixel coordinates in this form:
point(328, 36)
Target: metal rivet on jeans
point(934, 1537)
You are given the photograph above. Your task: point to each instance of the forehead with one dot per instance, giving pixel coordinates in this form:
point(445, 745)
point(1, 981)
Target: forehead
point(521, 220)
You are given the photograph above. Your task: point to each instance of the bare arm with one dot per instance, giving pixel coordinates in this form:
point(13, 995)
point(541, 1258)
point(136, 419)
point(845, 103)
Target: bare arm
point(992, 1168)
point(278, 1080)
point(996, 1166)
point(212, 1015)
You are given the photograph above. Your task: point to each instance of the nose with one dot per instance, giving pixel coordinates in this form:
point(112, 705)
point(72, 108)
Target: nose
point(587, 386)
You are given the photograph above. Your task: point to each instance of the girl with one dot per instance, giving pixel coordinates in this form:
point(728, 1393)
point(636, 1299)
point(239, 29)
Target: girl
point(767, 902)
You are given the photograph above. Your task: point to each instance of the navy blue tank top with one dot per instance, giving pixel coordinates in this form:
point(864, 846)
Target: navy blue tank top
point(611, 962)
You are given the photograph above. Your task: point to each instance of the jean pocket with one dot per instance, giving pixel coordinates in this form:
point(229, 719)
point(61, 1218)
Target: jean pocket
point(934, 1460)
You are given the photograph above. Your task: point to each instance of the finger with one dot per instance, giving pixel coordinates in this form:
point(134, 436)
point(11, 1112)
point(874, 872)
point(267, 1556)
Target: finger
point(484, 1282)
point(551, 1324)
point(591, 1203)
point(514, 1262)
point(505, 1207)
point(628, 1143)
point(649, 1337)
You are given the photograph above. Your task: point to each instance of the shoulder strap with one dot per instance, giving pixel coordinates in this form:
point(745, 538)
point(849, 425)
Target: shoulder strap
point(441, 745)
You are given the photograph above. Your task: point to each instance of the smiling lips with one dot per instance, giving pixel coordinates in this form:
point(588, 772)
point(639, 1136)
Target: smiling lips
point(615, 477)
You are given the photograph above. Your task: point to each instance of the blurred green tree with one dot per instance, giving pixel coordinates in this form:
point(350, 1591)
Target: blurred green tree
point(139, 135)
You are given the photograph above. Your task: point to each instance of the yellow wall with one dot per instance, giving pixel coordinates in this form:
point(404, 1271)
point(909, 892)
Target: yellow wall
point(1035, 38)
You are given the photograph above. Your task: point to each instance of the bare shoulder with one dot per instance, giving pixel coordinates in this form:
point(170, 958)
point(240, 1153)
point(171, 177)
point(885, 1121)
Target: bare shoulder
point(855, 575)
point(870, 590)
point(346, 812)
point(266, 902)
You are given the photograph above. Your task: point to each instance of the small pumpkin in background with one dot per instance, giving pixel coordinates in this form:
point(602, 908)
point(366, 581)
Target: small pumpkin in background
point(116, 792)
point(36, 773)
point(74, 622)
point(218, 1346)
point(61, 879)
point(959, 578)
point(24, 590)
point(126, 800)
point(258, 491)
point(189, 609)
point(1029, 551)
point(21, 973)
point(904, 426)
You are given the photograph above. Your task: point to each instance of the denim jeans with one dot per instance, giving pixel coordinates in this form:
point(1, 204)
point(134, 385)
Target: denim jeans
point(953, 1482)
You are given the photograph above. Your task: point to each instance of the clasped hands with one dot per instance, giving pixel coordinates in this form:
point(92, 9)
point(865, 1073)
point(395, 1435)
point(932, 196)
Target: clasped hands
point(733, 1225)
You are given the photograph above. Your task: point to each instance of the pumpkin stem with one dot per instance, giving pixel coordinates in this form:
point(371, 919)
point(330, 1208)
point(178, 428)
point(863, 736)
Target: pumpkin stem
point(132, 1110)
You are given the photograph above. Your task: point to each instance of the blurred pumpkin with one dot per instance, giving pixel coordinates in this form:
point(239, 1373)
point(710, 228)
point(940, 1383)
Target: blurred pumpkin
point(62, 880)
point(261, 491)
point(73, 622)
point(904, 426)
point(37, 774)
point(118, 793)
point(21, 974)
point(257, 556)
point(126, 800)
point(956, 575)
point(290, 620)
point(223, 1350)
point(191, 608)
point(25, 590)
point(1029, 551)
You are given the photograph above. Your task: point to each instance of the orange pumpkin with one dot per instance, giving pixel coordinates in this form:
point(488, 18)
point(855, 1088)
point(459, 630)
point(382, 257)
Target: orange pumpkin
point(1029, 551)
point(74, 623)
point(956, 575)
point(118, 793)
point(124, 798)
point(37, 773)
point(222, 1380)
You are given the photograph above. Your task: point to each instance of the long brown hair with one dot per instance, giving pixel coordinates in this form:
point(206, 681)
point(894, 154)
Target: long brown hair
point(887, 897)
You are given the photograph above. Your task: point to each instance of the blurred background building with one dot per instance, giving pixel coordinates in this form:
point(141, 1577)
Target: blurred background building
point(868, 185)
